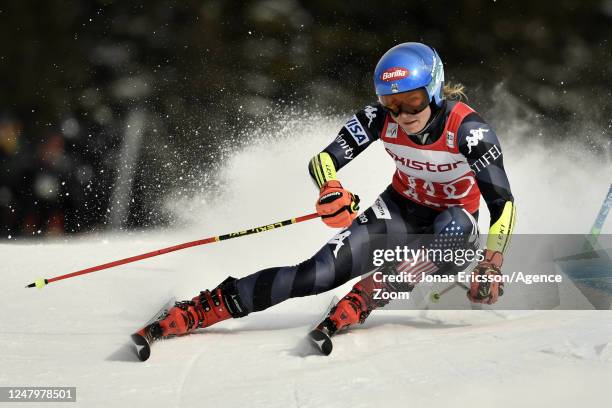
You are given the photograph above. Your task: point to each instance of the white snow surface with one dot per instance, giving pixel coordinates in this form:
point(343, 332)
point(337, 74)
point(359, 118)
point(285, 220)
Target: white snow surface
point(75, 332)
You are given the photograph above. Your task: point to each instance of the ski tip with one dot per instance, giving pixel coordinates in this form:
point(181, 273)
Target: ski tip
point(38, 283)
point(321, 341)
point(142, 347)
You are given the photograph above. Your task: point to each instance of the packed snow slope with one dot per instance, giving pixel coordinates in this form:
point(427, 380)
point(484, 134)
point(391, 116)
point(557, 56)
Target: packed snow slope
point(75, 332)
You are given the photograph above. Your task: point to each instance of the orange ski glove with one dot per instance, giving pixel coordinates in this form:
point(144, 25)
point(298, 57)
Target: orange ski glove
point(484, 288)
point(336, 206)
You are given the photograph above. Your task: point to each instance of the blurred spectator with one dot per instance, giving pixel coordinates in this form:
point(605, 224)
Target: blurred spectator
point(47, 183)
point(10, 131)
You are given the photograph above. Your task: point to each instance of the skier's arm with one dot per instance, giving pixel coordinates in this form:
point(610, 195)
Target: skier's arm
point(478, 142)
point(360, 131)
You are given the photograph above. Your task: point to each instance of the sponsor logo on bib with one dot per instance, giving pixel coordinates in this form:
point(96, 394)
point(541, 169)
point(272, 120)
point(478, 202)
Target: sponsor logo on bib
point(380, 210)
point(391, 132)
point(450, 139)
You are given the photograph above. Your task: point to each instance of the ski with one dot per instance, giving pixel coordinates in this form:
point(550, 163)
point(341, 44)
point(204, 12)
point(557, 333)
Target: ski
point(320, 336)
point(143, 339)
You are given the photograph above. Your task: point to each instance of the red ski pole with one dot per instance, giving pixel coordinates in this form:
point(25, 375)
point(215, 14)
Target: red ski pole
point(42, 282)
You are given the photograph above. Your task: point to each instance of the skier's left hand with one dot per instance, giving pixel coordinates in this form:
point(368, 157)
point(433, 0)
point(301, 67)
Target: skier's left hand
point(337, 206)
point(483, 287)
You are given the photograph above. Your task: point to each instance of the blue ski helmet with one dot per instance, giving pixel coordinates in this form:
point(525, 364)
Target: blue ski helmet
point(410, 66)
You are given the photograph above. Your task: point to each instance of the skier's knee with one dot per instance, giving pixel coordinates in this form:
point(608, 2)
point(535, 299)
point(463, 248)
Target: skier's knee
point(455, 228)
point(456, 220)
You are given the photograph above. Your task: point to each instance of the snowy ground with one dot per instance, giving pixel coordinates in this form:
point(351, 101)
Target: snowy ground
point(75, 332)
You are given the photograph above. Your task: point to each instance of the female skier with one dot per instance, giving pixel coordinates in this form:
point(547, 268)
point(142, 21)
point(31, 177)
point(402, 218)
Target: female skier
point(446, 157)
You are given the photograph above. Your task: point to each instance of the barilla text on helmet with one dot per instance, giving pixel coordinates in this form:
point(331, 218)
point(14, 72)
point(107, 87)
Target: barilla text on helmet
point(394, 74)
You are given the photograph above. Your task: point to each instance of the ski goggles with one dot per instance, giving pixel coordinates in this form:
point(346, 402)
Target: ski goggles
point(411, 102)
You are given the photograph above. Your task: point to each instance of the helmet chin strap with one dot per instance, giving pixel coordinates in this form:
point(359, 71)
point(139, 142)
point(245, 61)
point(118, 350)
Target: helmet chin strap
point(423, 134)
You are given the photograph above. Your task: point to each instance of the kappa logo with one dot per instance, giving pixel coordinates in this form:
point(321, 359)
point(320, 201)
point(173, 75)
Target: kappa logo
point(477, 135)
point(338, 240)
point(370, 113)
point(391, 131)
point(356, 130)
point(450, 139)
point(380, 210)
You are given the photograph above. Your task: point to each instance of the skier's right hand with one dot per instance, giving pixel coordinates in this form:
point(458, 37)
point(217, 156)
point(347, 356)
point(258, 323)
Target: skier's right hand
point(484, 290)
point(336, 206)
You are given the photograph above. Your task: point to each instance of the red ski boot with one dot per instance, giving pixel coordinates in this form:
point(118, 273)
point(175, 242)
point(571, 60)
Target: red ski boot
point(357, 305)
point(202, 311)
point(354, 308)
